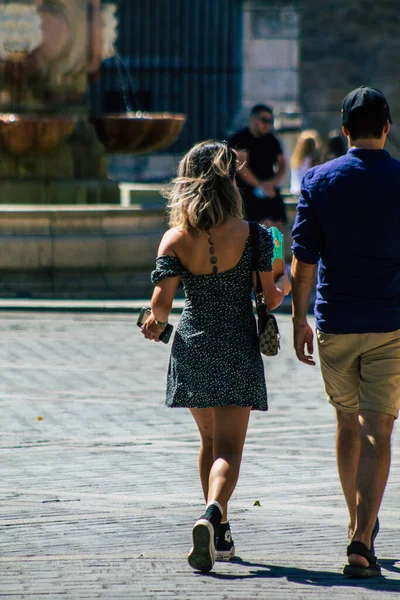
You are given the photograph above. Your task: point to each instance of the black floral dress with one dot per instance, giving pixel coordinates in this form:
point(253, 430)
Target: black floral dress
point(215, 359)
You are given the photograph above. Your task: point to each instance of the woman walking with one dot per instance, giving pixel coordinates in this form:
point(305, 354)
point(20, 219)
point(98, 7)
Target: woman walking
point(306, 154)
point(216, 369)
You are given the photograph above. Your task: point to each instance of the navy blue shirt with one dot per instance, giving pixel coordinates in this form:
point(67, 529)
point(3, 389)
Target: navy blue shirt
point(348, 221)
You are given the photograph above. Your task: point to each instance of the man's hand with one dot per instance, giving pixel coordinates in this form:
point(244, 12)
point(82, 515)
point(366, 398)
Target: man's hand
point(302, 284)
point(303, 336)
point(268, 188)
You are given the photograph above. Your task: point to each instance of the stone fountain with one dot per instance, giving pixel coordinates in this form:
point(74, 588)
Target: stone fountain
point(49, 50)
point(53, 156)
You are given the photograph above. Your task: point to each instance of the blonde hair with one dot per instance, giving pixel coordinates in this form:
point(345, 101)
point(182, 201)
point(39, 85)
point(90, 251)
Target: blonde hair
point(204, 193)
point(307, 144)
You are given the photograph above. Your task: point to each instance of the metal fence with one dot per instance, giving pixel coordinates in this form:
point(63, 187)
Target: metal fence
point(182, 56)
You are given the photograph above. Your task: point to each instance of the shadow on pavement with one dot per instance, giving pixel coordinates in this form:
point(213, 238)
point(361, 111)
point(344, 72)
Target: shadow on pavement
point(391, 564)
point(314, 578)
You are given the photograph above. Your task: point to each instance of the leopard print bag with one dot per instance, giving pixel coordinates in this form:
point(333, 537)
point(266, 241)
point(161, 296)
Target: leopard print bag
point(267, 326)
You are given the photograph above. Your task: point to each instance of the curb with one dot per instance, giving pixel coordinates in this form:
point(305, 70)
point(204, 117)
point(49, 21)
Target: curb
point(101, 306)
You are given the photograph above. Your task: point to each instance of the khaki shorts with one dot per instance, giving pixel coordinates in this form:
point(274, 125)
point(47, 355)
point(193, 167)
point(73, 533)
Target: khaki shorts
point(361, 371)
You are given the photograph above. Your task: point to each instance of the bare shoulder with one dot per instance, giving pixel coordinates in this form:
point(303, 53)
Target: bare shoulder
point(170, 241)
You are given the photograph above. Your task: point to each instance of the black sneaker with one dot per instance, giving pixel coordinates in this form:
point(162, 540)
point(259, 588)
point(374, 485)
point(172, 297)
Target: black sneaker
point(202, 556)
point(224, 545)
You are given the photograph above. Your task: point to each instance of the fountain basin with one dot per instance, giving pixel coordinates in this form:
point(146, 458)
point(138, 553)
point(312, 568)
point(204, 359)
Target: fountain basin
point(22, 134)
point(138, 133)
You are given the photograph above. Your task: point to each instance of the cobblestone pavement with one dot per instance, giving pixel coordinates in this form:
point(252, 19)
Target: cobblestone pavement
point(100, 487)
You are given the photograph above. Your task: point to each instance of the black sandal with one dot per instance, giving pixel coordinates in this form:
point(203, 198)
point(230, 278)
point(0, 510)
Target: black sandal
point(373, 569)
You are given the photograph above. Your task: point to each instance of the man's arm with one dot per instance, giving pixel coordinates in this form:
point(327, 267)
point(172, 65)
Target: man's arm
point(279, 175)
point(306, 248)
point(244, 172)
point(270, 185)
point(248, 176)
point(303, 275)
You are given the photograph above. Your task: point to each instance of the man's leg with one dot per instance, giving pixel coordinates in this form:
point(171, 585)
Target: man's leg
point(347, 456)
point(372, 474)
point(276, 211)
point(340, 367)
point(379, 406)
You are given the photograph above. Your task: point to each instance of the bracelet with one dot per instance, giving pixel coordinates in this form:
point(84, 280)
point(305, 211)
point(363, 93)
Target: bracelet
point(161, 323)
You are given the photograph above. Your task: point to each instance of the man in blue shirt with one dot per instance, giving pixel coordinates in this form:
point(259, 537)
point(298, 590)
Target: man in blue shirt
point(348, 222)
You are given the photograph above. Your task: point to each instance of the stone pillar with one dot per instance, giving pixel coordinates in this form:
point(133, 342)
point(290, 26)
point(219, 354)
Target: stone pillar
point(271, 55)
point(271, 65)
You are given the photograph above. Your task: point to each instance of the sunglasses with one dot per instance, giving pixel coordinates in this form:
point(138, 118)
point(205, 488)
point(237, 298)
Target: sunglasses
point(265, 120)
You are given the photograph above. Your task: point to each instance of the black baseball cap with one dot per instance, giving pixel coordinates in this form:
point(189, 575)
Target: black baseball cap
point(367, 105)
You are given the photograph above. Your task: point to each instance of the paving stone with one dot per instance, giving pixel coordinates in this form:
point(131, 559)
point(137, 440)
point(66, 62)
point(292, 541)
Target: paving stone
point(98, 497)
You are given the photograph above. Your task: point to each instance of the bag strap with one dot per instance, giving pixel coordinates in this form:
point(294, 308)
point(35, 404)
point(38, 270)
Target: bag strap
point(255, 254)
point(262, 308)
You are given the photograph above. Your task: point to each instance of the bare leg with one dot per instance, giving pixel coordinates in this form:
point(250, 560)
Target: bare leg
point(204, 421)
point(347, 457)
point(230, 428)
point(221, 450)
point(373, 472)
point(229, 425)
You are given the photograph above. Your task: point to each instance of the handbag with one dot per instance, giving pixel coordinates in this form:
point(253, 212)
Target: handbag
point(267, 327)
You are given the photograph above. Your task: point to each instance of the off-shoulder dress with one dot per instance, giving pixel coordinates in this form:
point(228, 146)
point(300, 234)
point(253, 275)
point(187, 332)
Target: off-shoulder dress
point(215, 358)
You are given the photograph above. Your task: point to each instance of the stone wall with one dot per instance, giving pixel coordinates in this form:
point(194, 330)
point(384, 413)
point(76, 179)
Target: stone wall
point(344, 45)
point(78, 252)
point(84, 251)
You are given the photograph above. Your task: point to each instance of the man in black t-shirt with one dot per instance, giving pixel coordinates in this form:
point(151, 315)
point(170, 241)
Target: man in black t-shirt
point(260, 154)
